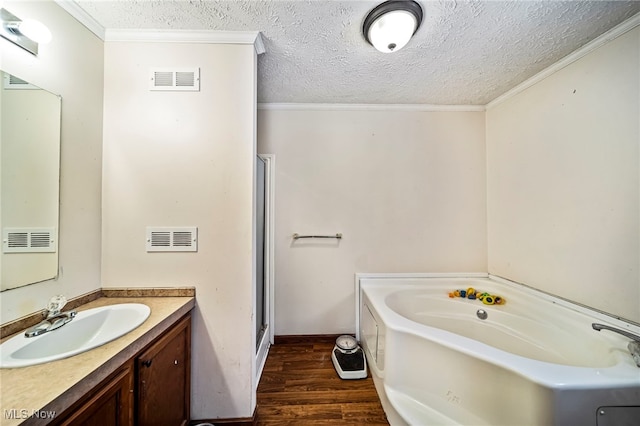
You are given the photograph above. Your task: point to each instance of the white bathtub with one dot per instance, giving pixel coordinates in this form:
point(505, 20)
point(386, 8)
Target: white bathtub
point(533, 361)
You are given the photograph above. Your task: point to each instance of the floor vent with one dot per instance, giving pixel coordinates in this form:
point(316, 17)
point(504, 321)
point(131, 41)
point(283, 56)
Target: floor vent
point(175, 79)
point(172, 239)
point(29, 240)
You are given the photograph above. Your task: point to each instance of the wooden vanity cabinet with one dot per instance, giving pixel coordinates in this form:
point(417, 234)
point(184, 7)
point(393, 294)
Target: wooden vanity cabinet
point(163, 380)
point(110, 404)
point(153, 388)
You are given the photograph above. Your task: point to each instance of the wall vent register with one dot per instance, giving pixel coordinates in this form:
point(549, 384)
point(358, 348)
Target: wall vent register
point(175, 79)
point(11, 82)
point(172, 239)
point(28, 240)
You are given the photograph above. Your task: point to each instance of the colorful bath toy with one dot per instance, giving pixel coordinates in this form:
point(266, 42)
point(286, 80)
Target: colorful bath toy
point(488, 300)
point(473, 294)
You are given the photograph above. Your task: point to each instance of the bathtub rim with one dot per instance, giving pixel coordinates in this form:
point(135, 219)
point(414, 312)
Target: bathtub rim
point(610, 318)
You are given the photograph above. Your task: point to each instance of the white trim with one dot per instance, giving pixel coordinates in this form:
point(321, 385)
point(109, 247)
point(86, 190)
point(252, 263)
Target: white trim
point(270, 223)
point(176, 36)
point(368, 107)
point(260, 360)
point(187, 36)
point(259, 44)
point(72, 8)
point(594, 44)
point(269, 276)
point(417, 275)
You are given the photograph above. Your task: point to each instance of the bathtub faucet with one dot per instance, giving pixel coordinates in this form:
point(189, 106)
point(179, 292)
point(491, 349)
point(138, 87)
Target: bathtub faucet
point(631, 336)
point(634, 346)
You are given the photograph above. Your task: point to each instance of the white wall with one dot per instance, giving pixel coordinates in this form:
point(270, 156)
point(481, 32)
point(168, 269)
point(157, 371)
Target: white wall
point(406, 189)
point(563, 181)
point(187, 159)
point(71, 65)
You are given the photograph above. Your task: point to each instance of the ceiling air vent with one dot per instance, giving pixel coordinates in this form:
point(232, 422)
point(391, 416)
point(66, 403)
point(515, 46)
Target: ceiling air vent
point(29, 240)
point(172, 239)
point(182, 79)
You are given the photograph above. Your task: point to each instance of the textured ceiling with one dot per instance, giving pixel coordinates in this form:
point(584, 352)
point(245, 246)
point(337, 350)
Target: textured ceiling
point(465, 52)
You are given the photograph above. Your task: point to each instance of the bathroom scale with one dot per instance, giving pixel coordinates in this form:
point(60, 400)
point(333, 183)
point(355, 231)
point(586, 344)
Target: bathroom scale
point(348, 358)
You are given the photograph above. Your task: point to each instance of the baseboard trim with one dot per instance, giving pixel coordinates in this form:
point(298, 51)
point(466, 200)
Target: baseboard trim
point(305, 338)
point(239, 421)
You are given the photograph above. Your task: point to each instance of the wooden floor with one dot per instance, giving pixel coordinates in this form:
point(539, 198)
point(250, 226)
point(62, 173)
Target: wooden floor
point(299, 386)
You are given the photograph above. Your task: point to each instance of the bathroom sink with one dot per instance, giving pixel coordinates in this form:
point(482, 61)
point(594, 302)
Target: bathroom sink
point(88, 330)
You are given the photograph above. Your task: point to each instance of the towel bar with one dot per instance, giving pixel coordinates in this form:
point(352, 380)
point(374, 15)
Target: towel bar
point(297, 236)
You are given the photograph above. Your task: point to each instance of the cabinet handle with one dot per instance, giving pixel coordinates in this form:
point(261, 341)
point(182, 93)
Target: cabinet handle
point(175, 362)
point(147, 363)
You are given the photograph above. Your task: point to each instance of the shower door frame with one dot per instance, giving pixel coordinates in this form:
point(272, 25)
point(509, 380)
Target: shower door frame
point(269, 268)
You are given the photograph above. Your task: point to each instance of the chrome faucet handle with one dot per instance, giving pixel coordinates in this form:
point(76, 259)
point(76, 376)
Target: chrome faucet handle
point(55, 305)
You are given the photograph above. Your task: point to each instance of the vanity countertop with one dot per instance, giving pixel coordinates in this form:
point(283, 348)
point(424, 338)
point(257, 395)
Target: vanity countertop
point(54, 386)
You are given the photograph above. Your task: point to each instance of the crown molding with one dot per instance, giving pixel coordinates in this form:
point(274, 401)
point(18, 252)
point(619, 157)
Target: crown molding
point(259, 44)
point(72, 8)
point(594, 44)
point(176, 36)
point(369, 107)
point(188, 36)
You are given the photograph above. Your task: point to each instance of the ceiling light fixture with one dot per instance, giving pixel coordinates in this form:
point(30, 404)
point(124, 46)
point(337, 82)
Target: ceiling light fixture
point(26, 34)
point(390, 25)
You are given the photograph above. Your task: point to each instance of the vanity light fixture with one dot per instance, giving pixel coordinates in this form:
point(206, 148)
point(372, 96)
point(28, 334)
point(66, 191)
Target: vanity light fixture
point(26, 34)
point(390, 25)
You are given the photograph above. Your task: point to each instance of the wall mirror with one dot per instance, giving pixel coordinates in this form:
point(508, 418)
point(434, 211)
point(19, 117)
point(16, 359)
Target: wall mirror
point(29, 182)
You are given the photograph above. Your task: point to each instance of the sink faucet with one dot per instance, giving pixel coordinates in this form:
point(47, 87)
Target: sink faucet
point(633, 346)
point(55, 317)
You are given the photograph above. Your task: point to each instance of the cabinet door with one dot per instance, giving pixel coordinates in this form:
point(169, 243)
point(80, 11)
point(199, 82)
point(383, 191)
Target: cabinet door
point(110, 405)
point(164, 379)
